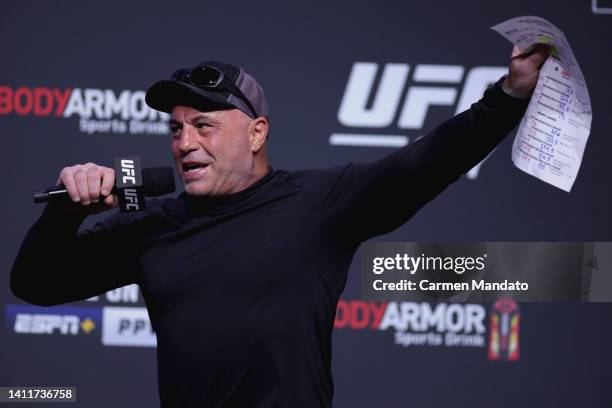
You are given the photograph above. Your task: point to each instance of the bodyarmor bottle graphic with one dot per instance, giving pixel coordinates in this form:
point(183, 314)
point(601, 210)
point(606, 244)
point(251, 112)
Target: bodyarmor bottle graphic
point(504, 330)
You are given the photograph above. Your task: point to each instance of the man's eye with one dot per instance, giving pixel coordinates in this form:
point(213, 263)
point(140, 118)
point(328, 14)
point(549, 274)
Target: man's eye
point(201, 125)
point(174, 129)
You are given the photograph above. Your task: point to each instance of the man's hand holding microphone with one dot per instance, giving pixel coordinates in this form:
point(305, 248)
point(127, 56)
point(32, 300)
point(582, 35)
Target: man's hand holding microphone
point(87, 189)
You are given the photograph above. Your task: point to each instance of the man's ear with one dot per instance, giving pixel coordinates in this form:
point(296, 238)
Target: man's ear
point(258, 132)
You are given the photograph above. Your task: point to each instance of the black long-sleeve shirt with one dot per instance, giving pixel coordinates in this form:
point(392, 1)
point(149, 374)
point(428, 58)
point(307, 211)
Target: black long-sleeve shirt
point(242, 290)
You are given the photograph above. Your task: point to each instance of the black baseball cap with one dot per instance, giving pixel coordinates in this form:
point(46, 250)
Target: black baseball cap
point(209, 86)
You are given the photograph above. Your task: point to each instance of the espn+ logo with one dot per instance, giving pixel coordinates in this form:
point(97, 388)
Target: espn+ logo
point(63, 320)
point(380, 97)
point(48, 324)
point(98, 110)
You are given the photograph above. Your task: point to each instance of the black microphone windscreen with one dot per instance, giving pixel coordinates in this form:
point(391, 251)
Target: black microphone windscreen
point(158, 181)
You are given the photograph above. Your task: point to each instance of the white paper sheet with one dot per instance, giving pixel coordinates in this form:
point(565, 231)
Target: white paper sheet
point(551, 138)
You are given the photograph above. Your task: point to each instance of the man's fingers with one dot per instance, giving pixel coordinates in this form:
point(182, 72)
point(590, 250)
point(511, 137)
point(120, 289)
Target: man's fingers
point(538, 48)
point(108, 180)
point(80, 179)
point(66, 178)
point(111, 201)
point(90, 184)
point(517, 52)
point(93, 184)
point(539, 54)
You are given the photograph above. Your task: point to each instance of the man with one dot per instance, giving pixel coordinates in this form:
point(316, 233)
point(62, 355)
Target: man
point(241, 273)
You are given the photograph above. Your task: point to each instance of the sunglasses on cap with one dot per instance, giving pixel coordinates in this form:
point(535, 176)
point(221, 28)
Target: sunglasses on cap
point(212, 79)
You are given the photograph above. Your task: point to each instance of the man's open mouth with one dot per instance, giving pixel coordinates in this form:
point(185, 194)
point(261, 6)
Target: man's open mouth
point(193, 167)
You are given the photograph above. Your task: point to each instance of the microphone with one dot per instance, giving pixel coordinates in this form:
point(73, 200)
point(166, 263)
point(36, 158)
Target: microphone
point(156, 181)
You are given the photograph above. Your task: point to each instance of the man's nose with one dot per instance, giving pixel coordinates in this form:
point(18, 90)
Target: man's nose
point(188, 139)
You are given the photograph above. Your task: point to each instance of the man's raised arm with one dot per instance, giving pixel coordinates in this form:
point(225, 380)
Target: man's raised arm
point(375, 198)
point(55, 263)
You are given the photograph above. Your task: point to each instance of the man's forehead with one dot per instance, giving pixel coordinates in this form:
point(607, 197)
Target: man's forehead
point(188, 113)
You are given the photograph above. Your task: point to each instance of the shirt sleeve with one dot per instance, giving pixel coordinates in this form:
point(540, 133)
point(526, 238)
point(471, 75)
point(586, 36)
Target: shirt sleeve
point(57, 264)
point(375, 198)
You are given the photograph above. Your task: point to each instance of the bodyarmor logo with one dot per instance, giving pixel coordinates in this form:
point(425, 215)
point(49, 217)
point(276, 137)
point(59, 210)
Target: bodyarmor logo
point(98, 110)
point(417, 324)
point(365, 108)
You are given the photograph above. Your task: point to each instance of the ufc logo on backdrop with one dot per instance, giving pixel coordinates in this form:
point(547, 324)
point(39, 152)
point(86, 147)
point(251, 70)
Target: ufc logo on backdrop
point(430, 85)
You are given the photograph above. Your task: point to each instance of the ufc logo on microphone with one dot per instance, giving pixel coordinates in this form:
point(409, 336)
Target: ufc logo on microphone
point(127, 167)
point(131, 199)
point(130, 184)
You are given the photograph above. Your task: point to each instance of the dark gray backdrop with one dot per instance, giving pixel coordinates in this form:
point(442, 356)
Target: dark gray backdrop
point(302, 54)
